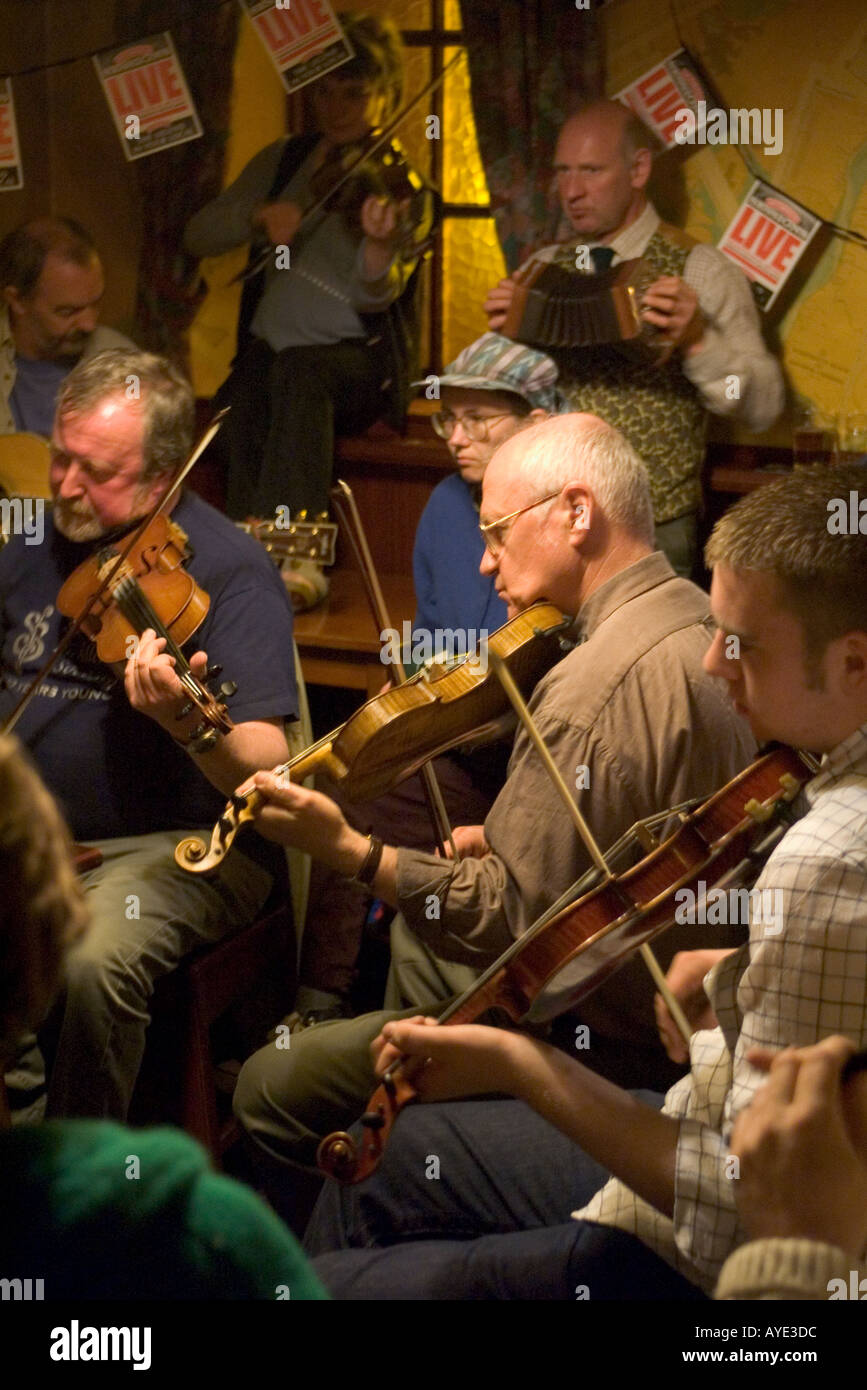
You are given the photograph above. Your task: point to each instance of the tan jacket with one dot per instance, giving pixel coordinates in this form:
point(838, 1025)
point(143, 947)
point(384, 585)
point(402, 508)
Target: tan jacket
point(633, 706)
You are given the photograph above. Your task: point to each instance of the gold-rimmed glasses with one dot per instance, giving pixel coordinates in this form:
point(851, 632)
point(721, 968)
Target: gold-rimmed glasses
point(475, 427)
point(494, 532)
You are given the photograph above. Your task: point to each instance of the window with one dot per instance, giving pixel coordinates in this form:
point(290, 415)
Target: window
point(467, 259)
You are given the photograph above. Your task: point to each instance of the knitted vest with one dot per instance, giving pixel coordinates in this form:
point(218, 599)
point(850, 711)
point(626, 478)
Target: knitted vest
point(659, 411)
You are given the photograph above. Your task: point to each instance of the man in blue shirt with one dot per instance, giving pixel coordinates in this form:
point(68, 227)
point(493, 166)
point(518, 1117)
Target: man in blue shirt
point(115, 744)
point(51, 285)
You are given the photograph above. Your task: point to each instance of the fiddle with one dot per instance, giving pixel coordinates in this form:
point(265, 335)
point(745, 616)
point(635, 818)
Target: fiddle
point(345, 166)
point(149, 588)
point(393, 734)
point(571, 950)
point(352, 173)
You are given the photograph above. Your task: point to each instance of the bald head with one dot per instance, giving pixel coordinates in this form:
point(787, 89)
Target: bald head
point(602, 162)
point(616, 121)
point(565, 507)
point(579, 448)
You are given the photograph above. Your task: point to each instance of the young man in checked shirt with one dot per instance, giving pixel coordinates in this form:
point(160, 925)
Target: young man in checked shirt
point(794, 594)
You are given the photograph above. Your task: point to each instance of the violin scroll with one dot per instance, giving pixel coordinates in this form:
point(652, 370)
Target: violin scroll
point(196, 857)
point(337, 1156)
point(349, 1161)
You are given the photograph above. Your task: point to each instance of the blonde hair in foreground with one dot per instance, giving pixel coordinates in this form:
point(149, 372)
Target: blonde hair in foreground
point(42, 903)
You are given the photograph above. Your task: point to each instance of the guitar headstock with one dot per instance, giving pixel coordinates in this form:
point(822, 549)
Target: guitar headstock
point(297, 540)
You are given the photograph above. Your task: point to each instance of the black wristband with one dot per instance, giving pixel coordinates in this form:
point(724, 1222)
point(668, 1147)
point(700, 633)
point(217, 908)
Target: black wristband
point(367, 873)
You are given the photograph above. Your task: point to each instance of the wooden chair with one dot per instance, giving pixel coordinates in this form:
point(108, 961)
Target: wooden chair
point(178, 1081)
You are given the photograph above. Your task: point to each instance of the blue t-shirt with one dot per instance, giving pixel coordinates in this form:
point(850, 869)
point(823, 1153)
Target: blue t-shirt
point(34, 394)
point(450, 592)
point(114, 771)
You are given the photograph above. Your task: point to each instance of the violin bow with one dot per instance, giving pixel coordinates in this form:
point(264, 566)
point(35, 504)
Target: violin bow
point(350, 517)
point(252, 270)
point(586, 834)
point(132, 541)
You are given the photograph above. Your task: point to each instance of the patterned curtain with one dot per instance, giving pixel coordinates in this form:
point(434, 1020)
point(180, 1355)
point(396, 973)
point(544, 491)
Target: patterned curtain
point(532, 62)
point(175, 183)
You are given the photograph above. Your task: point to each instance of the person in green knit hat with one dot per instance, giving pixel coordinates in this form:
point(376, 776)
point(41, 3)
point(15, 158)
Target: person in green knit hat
point(94, 1209)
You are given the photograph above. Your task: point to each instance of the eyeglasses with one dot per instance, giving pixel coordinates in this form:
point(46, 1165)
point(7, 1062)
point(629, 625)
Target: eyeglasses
point(494, 532)
point(475, 427)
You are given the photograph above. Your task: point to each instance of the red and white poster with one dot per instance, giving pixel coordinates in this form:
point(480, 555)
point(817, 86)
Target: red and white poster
point(671, 86)
point(11, 173)
point(766, 238)
point(147, 93)
point(302, 38)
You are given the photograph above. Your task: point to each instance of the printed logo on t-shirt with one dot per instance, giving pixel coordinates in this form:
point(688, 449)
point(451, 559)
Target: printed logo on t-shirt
point(30, 644)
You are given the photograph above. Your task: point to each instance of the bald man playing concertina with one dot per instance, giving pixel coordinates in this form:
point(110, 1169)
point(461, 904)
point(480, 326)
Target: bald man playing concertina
point(699, 303)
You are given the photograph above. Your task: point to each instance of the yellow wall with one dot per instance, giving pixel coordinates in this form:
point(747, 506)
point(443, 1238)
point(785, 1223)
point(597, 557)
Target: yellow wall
point(773, 53)
point(810, 61)
point(258, 117)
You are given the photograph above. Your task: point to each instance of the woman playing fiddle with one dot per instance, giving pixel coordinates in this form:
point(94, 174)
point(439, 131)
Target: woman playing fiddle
point(326, 329)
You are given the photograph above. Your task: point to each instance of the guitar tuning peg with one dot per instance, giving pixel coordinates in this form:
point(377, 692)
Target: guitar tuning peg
point(321, 516)
point(302, 515)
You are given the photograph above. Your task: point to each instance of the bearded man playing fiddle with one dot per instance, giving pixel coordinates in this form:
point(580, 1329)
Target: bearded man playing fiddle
point(120, 754)
point(630, 719)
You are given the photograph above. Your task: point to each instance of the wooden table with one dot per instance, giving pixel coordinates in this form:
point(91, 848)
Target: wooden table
point(338, 643)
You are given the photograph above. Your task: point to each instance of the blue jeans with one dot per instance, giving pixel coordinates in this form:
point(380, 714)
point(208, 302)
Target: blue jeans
point(472, 1200)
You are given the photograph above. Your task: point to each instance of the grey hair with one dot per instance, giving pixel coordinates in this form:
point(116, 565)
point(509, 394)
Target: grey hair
point(166, 398)
point(582, 448)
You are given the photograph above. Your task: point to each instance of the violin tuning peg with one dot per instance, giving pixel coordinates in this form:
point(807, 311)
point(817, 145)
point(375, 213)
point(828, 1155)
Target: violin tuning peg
point(202, 739)
point(372, 1120)
point(211, 672)
point(187, 709)
point(228, 689)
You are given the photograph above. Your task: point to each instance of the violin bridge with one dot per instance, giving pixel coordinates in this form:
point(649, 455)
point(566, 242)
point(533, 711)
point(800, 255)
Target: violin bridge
point(759, 811)
point(645, 837)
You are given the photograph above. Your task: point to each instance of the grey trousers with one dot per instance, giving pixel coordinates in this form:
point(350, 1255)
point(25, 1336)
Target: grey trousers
point(288, 1098)
point(146, 915)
